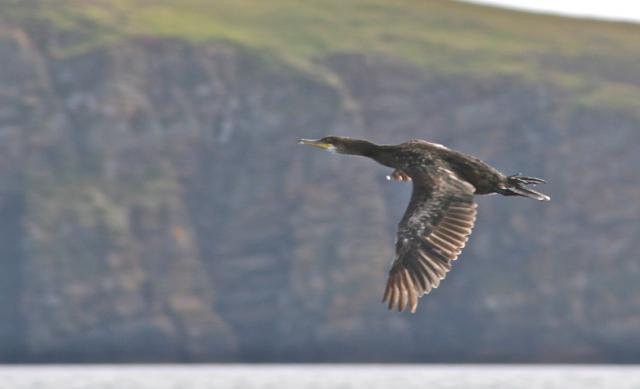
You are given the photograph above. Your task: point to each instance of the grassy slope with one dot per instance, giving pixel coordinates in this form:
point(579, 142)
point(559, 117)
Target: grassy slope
point(595, 59)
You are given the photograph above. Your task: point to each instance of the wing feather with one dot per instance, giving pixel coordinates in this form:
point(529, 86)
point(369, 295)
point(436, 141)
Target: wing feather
point(431, 234)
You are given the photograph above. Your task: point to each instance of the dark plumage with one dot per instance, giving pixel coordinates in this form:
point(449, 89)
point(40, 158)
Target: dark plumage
point(441, 212)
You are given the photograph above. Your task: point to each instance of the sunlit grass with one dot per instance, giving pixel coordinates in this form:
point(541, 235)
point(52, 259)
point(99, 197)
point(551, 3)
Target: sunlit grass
point(308, 28)
point(437, 36)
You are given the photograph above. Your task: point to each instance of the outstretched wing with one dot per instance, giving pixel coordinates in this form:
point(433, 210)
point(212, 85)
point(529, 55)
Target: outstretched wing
point(431, 234)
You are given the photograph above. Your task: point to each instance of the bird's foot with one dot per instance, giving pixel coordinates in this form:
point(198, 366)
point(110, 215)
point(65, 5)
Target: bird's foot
point(398, 175)
point(520, 179)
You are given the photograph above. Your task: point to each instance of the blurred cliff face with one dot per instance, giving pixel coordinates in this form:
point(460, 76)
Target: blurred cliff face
point(154, 205)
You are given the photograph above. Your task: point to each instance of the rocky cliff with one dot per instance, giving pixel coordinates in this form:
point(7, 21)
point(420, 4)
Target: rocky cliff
point(154, 205)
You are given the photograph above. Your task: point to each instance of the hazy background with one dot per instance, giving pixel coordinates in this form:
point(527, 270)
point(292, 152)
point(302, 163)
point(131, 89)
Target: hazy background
point(155, 207)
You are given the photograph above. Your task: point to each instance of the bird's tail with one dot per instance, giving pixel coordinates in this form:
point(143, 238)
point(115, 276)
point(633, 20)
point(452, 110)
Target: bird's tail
point(516, 186)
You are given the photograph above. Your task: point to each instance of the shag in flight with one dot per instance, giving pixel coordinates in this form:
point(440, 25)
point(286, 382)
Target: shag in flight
point(441, 212)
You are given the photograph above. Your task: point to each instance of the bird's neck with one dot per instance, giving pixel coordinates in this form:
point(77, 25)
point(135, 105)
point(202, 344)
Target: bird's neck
point(363, 148)
point(370, 150)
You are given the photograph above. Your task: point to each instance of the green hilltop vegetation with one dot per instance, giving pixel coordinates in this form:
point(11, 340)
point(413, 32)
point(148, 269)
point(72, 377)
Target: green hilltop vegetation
point(406, 28)
point(595, 59)
point(439, 36)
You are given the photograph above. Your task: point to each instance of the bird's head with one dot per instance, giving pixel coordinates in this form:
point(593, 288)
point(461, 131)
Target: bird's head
point(335, 144)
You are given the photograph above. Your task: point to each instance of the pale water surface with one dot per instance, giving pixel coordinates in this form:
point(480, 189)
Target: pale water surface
point(318, 376)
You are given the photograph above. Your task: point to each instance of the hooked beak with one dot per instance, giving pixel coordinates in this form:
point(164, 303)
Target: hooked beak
point(315, 143)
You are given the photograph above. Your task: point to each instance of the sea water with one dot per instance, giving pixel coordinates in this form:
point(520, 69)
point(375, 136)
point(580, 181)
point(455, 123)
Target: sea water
point(318, 376)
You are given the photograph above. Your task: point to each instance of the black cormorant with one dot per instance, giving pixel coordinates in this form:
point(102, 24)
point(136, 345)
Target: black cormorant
point(441, 212)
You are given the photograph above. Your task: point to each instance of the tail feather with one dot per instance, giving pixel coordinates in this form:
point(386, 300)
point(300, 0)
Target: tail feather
point(516, 186)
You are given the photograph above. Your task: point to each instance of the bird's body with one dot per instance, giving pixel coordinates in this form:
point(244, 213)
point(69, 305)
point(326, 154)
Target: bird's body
point(418, 156)
point(441, 212)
